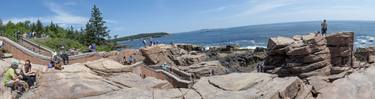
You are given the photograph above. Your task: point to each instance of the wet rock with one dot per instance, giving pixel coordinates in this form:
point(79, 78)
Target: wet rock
point(366, 54)
point(190, 47)
point(245, 62)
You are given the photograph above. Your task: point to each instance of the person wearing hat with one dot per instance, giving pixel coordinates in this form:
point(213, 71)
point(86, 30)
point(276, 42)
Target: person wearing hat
point(10, 77)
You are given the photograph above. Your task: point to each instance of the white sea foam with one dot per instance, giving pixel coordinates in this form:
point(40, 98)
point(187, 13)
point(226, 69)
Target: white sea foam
point(252, 47)
point(364, 41)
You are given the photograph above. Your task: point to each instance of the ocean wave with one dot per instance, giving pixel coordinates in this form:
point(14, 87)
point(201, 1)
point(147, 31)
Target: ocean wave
point(364, 41)
point(239, 42)
point(252, 47)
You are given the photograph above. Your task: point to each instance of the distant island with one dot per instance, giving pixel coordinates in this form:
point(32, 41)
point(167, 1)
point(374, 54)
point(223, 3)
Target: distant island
point(141, 36)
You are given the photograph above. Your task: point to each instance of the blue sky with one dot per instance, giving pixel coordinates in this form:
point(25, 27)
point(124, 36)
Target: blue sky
point(126, 17)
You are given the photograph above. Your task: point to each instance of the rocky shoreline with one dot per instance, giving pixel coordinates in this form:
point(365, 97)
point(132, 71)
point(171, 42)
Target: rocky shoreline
point(299, 67)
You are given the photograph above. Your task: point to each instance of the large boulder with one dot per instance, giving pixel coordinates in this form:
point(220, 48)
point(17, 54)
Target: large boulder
point(186, 60)
point(107, 66)
point(190, 47)
point(119, 55)
point(341, 46)
point(358, 85)
point(251, 85)
point(307, 56)
point(159, 55)
point(164, 54)
point(278, 42)
point(204, 69)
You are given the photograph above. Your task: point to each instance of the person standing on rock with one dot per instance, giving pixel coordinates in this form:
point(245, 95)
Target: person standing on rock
point(64, 55)
point(145, 43)
point(324, 27)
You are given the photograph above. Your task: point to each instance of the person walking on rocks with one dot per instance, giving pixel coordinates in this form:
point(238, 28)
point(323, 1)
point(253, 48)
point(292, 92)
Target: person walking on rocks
point(64, 55)
point(260, 67)
point(324, 27)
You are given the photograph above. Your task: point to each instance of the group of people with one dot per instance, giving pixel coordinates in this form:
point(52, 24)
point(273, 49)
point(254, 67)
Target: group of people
point(128, 60)
point(151, 42)
point(16, 81)
point(29, 35)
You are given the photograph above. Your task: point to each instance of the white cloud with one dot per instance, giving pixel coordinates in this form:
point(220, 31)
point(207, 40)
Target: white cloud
point(71, 3)
point(261, 6)
point(111, 21)
point(277, 11)
point(61, 17)
point(218, 9)
point(64, 17)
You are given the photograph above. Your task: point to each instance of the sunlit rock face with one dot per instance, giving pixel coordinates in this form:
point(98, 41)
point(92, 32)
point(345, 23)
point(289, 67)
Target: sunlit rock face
point(309, 55)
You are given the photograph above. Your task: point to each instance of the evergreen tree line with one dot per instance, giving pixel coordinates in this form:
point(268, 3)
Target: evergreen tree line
point(95, 31)
point(52, 30)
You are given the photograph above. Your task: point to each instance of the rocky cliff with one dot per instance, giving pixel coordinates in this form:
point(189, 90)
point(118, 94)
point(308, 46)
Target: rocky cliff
point(299, 67)
point(309, 55)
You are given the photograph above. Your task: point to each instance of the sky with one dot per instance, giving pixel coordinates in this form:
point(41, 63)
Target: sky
point(128, 17)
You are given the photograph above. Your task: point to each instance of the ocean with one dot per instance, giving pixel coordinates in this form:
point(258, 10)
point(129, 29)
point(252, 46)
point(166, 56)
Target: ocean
point(257, 35)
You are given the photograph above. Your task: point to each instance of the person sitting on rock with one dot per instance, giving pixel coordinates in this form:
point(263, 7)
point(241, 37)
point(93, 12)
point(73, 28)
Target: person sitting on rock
point(28, 75)
point(324, 27)
point(10, 77)
point(54, 64)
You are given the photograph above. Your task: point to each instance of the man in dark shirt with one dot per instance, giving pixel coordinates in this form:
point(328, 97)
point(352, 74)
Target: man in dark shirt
point(324, 27)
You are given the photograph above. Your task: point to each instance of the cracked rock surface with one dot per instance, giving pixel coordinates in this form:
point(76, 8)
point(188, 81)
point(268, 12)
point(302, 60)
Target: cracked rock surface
point(251, 86)
point(82, 80)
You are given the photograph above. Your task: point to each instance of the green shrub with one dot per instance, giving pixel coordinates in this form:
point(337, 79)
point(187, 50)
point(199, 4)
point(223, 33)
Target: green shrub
point(56, 43)
point(106, 47)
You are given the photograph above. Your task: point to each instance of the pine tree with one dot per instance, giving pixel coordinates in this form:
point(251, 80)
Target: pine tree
point(1, 23)
point(39, 28)
point(96, 31)
point(70, 32)
point(1, 27)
